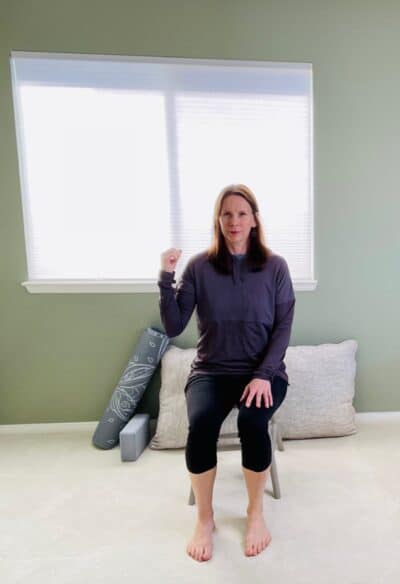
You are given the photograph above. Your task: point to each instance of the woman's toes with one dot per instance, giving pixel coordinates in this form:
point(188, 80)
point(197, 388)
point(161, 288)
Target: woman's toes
point(200, 545)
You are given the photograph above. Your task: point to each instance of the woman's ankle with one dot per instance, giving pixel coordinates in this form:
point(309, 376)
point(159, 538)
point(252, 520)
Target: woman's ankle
point(255, 511)
point(205, 518)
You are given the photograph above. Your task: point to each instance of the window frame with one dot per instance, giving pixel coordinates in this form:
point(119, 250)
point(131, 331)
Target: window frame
point(117, 286)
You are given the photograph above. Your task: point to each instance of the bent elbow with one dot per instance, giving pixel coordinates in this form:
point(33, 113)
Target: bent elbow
point(172, 333)
point(173, 329)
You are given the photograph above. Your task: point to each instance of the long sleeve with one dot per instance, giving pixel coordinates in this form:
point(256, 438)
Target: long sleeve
point(285, 301)
point(176, 305)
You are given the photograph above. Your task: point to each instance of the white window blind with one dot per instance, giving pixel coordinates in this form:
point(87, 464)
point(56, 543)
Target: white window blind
point(122, 158)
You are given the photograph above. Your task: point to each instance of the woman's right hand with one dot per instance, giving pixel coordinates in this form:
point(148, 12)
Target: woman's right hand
point(169, 259)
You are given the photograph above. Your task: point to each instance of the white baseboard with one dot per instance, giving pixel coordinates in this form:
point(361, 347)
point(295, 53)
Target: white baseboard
point(47, 427)
point(378, 415)
point(77, 426)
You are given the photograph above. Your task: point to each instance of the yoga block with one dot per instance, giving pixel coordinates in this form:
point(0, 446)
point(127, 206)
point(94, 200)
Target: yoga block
point(134, 437)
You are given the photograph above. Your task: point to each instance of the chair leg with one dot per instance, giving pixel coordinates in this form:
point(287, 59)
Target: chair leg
point(274, 433)
point(279, 440)
point(275, 480)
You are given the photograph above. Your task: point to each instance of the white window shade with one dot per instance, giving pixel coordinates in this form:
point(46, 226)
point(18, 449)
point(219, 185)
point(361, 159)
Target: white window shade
point(122, 158)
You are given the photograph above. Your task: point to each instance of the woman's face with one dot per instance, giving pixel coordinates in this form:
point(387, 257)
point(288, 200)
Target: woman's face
point(236, 219)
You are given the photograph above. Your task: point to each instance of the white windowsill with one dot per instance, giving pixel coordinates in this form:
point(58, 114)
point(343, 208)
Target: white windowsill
point(116, 286)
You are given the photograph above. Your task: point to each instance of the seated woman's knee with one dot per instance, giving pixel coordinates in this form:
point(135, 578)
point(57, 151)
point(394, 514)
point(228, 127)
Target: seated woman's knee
point(252, 421)
point(205, 424)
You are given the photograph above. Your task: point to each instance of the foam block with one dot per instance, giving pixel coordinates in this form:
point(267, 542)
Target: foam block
point(134, 438)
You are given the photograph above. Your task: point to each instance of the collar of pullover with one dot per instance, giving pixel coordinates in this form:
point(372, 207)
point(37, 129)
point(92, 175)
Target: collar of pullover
point(238, 267)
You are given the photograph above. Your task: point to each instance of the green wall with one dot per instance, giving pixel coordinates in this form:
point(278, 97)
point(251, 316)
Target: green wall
point(61, 355)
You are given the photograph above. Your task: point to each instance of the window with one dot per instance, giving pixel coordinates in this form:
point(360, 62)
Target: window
point(123, 157)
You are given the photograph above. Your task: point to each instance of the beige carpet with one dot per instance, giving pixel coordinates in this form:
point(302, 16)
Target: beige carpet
point(70, 513)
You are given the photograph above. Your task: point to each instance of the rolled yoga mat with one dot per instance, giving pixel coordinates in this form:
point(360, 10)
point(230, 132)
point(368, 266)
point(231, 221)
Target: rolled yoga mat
point(131, 386)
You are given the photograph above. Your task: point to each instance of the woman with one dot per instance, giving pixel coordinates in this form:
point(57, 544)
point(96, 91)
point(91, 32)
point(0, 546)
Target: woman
point(245, 306)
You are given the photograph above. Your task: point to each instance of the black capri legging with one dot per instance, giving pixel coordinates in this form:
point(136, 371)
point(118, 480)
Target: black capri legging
point(209, 399)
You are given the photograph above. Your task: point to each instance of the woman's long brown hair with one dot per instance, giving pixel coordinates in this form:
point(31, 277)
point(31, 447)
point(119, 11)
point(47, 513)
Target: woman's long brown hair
point(257, 254)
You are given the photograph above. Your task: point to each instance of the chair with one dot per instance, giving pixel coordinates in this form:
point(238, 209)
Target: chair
point(276, 442)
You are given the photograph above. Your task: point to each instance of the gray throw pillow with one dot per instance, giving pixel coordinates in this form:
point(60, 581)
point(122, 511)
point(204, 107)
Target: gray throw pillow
point(131, 386)
point(319, 401)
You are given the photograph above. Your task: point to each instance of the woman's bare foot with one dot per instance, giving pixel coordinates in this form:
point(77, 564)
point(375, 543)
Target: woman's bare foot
point(257, 535)
point(200, 546)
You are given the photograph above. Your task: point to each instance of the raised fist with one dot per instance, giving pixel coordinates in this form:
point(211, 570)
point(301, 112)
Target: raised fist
point(169, 259)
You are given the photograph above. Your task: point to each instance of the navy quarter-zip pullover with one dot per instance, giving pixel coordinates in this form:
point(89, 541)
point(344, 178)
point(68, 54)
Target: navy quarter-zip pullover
point(244, 318)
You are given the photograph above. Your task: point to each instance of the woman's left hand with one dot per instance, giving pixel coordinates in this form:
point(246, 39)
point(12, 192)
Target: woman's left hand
point(258, 388)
